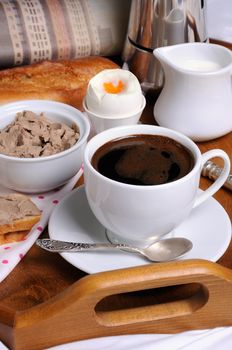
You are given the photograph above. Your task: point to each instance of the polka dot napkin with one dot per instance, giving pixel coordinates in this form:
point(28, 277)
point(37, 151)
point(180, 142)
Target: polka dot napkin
point(11, 254)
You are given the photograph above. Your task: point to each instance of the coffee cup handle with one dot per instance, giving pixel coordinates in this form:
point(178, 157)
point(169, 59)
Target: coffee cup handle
point(215, 186)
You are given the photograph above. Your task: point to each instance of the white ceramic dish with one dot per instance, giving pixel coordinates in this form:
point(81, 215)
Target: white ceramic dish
point(41, 174)
point(208, 226)
point(101, 123)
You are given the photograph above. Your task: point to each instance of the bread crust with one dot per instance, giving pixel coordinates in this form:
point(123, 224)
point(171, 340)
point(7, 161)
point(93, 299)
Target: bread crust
point(13, 237)
point(20, 225)
point(64, 81)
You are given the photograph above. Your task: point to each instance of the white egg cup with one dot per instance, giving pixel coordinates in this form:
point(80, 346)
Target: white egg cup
point(104, 122)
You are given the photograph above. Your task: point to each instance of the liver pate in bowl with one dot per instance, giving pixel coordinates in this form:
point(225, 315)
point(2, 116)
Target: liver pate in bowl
point(41, 144)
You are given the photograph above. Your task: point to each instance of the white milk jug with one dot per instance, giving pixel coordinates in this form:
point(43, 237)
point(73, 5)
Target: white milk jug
point(197, 95)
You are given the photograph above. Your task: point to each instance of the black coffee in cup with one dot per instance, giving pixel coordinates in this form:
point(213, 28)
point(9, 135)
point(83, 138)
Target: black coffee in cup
point(143, 160)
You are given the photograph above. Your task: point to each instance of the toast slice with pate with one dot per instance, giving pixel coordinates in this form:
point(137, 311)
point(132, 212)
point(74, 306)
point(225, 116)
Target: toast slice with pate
point(18, 214)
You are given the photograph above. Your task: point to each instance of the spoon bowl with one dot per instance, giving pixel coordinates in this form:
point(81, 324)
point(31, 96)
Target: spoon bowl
point(167, 249)
point(160, 251)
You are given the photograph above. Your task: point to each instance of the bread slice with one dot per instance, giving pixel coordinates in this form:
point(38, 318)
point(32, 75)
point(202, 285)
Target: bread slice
point(18, 214)
point(20, 225)
point(64, 81)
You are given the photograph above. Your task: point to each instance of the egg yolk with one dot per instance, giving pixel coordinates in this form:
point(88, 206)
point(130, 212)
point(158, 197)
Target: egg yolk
point(110, 88)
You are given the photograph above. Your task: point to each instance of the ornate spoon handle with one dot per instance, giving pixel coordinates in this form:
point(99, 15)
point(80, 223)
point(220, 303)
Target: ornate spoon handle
point(56, 246)
point(212, 171)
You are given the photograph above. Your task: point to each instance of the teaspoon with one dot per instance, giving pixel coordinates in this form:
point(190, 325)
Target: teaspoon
point(160, 251)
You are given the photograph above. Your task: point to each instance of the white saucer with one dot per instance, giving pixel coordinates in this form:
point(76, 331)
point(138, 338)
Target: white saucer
point(208, 227)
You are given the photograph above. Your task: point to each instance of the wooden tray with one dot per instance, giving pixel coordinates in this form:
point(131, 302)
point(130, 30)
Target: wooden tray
point(45, 301)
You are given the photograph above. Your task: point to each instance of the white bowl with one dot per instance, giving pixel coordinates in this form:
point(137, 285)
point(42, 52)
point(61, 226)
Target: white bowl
point(33, 175)
point(101, 122)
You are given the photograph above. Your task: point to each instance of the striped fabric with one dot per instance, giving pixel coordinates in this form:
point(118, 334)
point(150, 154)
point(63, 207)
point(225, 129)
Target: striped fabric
point(34, 30)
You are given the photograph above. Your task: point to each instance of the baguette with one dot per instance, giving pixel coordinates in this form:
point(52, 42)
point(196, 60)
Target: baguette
point(64, 81)
point(18, 214)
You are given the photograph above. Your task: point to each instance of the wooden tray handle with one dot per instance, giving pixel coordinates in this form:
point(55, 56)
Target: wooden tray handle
point(90, 309)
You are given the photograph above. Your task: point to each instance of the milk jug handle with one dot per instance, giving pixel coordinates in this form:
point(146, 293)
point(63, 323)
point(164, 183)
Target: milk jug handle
point(215, 186)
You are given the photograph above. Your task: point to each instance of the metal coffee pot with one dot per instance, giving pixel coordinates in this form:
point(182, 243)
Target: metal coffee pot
point(157, 23)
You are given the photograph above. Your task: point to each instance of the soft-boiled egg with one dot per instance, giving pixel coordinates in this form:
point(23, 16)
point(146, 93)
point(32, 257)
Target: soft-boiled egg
point(114, 92)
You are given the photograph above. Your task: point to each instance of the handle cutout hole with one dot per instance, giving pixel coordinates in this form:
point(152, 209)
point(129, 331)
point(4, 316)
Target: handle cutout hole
point(151, 304)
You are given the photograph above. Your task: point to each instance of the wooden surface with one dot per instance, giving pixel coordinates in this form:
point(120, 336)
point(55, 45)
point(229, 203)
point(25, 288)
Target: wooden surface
point(45, 301)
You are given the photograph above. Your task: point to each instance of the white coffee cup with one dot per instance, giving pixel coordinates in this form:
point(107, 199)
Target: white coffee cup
point(137, 214)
